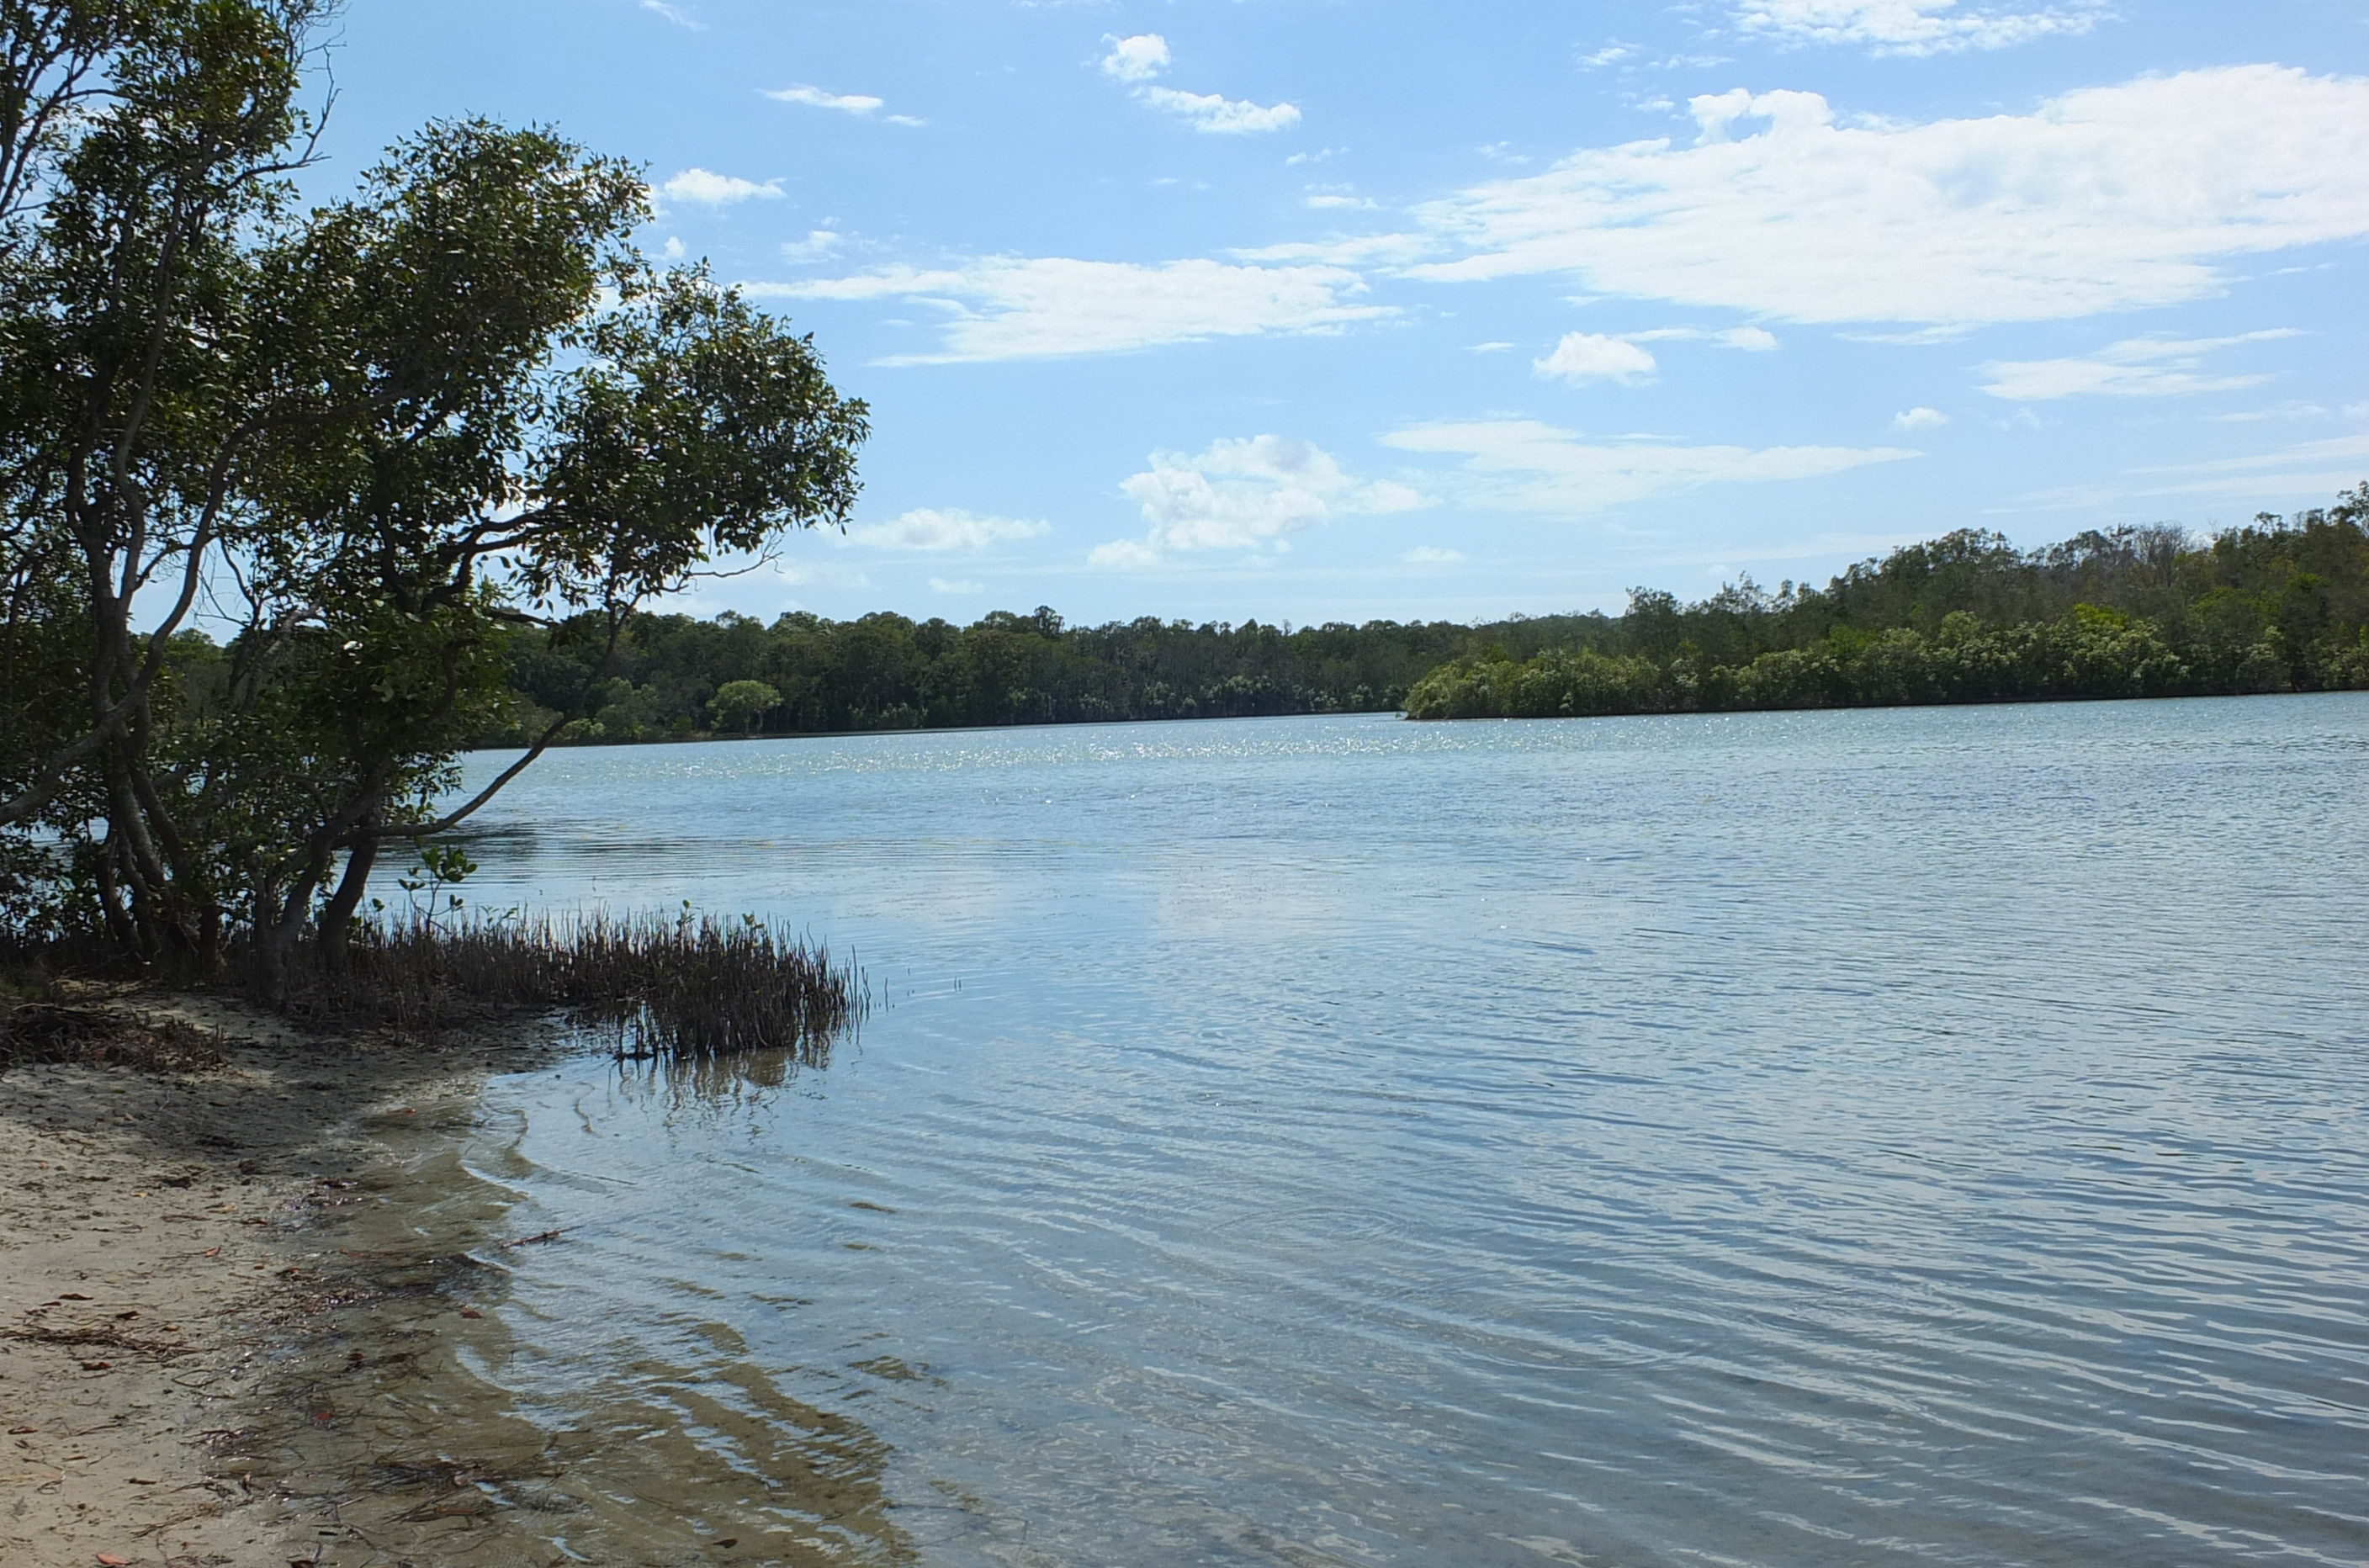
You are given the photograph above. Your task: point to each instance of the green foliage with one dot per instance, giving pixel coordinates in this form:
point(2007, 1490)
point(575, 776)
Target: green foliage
point(737, 704)
point(2276, 606)
point(671, 675)
point(381, 437)
point(440, 869)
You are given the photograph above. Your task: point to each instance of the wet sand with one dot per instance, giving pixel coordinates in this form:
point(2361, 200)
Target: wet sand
point(164, 1269)
point(248, 1317)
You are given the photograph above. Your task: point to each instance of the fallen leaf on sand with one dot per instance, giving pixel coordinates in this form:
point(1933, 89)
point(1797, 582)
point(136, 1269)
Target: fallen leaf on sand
point(109, 1560)
point(471, 1312)
point(74, 1296)
point(96, 1365)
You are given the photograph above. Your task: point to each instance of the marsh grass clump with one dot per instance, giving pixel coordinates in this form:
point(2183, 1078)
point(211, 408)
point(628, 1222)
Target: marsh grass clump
point(687, 985)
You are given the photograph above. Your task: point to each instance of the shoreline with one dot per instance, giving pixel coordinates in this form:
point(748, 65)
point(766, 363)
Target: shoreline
point(170, 1284)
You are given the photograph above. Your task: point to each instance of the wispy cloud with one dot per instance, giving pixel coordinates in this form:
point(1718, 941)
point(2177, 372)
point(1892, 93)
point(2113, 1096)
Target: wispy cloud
point(1336, 198)
point(1215, 115)
point(1919, 419)
point(717, 189)
point(1751, 340)
point(2311, 473)
point(844, 103)
point(1909, 26)
point(1526, 465)
point(2135, 367)
point(818, 245)
point(1139, 59)
point(2104, 199)
point(929, 529)
point(1015, 308)
point(677, 15)
point(1431, 556)
point(2337, 460)
point(1243, 494)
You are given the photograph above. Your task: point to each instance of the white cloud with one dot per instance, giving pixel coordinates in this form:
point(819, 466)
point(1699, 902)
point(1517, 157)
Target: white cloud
point(955, 585)
point(1583, 357)
point(1137, 59)
point(717, 189)
point(1908, 26)
point(1013, 307)
point(1364, 250)
point(1432, 555)
point(674, 249)
point(1751, 340)
point(815, 98)
point(1499, 348)
point(2104, 198)
point(1919, 419)
point(1146, 55)
point(1244, 494)
point(1528, 466)
point(845, 103)
point(2136, 367)
point(1215, 115)
point(674, 14)
point(816, 247)
point(1126, 554)
point(927, 527)
point(2283, 411)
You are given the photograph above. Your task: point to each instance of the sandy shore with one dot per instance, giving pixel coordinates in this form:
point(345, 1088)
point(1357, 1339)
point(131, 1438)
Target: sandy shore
point(169, 1282)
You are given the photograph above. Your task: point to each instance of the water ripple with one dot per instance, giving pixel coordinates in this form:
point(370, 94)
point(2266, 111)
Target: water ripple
point(1930, 1137)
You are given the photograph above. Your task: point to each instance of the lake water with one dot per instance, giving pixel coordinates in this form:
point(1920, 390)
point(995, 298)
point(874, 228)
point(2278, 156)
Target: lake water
point(1925, 1136)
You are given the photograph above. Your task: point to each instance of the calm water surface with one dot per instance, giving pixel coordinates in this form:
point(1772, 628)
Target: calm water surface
point(1930, 1136)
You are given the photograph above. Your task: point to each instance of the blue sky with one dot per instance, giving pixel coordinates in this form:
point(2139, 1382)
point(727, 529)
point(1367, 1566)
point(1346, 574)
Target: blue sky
point(1316, 310)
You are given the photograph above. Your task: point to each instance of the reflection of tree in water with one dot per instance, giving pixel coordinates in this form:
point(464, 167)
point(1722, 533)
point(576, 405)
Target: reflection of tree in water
point(387, 1427)
point(724, 1080)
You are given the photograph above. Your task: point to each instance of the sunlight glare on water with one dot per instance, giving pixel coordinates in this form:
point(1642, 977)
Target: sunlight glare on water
point(1920, 1136)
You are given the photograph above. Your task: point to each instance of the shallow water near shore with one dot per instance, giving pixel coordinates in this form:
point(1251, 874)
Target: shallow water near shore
point(1916, 1136)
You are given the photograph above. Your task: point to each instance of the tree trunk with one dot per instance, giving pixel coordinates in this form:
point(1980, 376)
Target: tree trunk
point(337, 919)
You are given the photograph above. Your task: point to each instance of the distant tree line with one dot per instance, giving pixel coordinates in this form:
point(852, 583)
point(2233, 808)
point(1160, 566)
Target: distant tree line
point(2277, 605)
point(677, 676)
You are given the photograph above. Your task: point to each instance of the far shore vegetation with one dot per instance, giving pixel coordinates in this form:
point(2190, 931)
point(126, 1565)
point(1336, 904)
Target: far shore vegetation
point(2279, 604)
